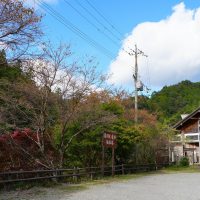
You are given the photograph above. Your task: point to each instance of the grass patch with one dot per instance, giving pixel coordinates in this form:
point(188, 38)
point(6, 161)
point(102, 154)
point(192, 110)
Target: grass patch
point(27, 185)
point(72, 188)
point(186, 169)
point(116, 178)
point(85, 184)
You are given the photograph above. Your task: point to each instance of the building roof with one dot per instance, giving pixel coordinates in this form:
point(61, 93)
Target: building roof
point(181, 122)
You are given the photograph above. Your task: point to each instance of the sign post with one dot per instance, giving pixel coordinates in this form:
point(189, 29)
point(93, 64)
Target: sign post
point(103, 158)
point(113, 161)
point(109, 141)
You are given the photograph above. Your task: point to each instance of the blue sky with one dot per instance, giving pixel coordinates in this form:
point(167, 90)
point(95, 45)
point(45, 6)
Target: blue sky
point(131, 18)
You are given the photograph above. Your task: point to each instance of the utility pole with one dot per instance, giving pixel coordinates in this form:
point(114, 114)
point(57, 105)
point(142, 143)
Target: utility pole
point(136, 52)
point(135, 76)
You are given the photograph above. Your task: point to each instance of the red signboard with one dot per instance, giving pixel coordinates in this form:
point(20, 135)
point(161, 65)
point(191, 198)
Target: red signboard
point(109, 139)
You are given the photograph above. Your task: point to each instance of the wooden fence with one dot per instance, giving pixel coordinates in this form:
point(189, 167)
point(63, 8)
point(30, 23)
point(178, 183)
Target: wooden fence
point(75, 174)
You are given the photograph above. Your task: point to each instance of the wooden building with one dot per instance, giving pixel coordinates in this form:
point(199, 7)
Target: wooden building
point(187, 140)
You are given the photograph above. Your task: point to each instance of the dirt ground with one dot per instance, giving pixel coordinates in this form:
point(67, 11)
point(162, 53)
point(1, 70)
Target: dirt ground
point(174, 186)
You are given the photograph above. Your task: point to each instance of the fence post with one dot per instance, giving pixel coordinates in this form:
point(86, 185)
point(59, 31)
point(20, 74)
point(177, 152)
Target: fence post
point(37, 174)
point(55, 173)
point(91, 176)
point(123, 169)
point(103, 158)
point(113, 161)
point(74, 175)
point(156, 167)
point(9, 177)
point(78, 175)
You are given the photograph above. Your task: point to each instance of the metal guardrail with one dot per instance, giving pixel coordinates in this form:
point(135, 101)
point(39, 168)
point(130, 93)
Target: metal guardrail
point(73, 174)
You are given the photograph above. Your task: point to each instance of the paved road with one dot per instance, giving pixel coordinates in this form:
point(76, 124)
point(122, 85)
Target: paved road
point(181, 186)
point(156, 187)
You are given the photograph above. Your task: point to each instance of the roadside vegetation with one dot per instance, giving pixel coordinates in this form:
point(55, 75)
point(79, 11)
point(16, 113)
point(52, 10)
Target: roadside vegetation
point(178, 168)
point(54, 107)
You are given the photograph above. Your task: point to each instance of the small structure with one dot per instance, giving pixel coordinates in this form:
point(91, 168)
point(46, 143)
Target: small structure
point(187, 140)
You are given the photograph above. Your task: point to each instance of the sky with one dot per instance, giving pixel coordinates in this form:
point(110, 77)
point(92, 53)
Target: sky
point(168, 31)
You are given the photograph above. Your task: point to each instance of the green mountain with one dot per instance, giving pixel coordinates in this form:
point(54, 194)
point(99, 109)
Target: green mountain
point(172, 101)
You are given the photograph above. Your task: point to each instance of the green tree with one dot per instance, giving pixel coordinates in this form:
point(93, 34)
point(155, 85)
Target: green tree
point(172, 101)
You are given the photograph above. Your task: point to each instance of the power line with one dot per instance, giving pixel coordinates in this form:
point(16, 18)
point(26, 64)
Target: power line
point(103, 17)
point(97, 20)
point(78, 32)
point(101, 23)
point(73, 28)
point(148, 75)
point(116, 30)
point(92, 24)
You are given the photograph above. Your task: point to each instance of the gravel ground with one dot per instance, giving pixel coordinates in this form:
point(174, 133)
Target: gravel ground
point(180, 186)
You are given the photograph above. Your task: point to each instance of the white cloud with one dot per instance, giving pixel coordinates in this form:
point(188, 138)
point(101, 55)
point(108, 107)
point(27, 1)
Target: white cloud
point(173, 47)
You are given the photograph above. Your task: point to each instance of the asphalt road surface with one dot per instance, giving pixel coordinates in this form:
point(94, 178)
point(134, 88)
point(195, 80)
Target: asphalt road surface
point(179, 186)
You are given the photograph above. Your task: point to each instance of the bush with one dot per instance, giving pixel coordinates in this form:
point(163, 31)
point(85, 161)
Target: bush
point(184, 161)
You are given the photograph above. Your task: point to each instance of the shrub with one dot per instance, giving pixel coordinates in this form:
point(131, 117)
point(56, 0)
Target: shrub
point(184, 161)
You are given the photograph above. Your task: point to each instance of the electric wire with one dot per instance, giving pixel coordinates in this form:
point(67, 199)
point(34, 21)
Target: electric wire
point(120, 34)
point(148, 75)
point(91, 23)
point(97, 20)
point(101, 23)
point(73, 28)
point(109, 23)
point(77, 31)
point(103, 17)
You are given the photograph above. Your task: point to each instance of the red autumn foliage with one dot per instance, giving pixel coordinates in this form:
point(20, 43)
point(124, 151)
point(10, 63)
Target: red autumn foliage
point(16, 148)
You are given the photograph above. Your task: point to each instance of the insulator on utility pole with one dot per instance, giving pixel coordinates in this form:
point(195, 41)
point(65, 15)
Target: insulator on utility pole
point(139, 85)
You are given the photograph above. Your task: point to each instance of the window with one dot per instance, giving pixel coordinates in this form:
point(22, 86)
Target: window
point(192, 137)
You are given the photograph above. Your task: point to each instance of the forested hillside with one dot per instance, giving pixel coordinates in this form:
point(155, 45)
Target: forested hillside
point(172, 101)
